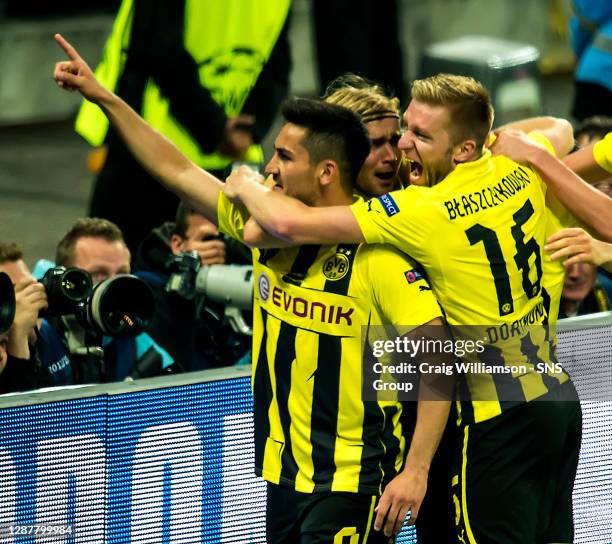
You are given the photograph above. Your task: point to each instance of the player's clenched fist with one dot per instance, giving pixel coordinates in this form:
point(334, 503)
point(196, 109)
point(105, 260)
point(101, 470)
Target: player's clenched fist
point(238, 178)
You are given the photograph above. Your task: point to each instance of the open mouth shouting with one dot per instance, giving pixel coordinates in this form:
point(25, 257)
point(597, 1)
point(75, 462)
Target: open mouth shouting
point(385, 178)
point(416, 173)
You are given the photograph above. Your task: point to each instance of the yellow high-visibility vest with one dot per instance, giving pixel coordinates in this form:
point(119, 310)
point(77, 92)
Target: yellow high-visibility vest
point(230, 40)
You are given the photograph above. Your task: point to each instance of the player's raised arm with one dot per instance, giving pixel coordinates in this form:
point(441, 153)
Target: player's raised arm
point(589, 163)
point(588, 204)
point(155, 153)
point(558, 132)
point(289, 219)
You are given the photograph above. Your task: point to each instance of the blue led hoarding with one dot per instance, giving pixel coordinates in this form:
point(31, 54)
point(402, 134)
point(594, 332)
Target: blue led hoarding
point(170, 460)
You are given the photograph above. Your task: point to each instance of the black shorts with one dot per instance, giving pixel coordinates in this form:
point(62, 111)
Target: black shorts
point(514, 476)
point(436, 521)
point(320, 518)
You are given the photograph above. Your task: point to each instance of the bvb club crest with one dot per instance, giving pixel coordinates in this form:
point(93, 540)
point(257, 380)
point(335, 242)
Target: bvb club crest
point(336, 267)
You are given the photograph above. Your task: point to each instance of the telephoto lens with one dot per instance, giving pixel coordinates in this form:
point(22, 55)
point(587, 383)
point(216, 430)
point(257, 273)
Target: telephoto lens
point(66, 288)
point(119, 306)
point(227, 284)
point(7, 302)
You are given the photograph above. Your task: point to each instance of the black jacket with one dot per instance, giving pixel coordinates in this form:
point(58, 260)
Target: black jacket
point(23, 375)
point(194, 333)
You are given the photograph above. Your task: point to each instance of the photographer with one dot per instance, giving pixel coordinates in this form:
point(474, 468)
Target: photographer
point(7, 313)
point(20, 369)
point(76, 352)
point(194, 330)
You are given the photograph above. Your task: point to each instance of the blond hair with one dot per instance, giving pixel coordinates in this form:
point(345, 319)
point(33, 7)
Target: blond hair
point(367, 99)
point(468, 101)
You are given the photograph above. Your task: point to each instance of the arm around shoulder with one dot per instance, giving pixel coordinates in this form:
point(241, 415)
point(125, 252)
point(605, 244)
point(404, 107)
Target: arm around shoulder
point(321, 225)
point(557, 131)
point(592, 163)
point(289, 219)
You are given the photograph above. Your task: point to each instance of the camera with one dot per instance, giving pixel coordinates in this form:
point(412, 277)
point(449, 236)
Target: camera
point(228, 284)
point(7, 302)
point(122, 305)
point(66, 289)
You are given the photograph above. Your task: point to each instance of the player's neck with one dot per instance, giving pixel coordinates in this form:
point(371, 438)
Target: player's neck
point(334, 196)
point(473, 156)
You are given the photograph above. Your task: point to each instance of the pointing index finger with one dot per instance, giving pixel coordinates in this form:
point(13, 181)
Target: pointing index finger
point(68, 49)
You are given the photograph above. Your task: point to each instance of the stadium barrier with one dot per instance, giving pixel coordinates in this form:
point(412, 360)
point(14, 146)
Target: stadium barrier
point(171, 459)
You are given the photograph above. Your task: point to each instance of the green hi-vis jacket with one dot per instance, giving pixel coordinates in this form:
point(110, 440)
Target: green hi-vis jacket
point(230, 40)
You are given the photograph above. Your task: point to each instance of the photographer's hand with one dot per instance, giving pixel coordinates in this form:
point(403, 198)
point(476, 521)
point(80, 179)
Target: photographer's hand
point(30, 298)
point(210, 251)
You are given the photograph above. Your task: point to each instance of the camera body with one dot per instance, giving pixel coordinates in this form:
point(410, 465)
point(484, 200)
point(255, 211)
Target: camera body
point(230, 285)
point(121, 305)
point(184, 269)
point(67, 289)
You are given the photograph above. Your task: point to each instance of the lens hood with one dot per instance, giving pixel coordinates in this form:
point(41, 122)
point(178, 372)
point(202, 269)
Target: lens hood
point(120, 306)
point(7, 302)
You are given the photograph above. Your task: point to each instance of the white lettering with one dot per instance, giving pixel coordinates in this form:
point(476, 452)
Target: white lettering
point(78, 461)
point(176, 447)
point(379, 385)
point(238, 476)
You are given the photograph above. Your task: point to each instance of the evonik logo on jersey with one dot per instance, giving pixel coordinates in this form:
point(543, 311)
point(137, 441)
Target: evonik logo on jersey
point(314, 310)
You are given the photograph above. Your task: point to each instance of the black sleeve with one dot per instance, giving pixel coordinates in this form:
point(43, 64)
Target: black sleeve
point(271, 87)
point(23, 375)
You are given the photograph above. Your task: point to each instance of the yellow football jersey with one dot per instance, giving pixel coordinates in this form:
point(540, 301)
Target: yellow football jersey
point(602, 152)
point(313, 431)
point(479, 234)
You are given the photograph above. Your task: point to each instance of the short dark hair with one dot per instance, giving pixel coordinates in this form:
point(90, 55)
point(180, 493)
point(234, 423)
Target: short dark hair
point(181, 221)
point(10, 253)
point(92, 227)
point(332, 132)
point(595, 128)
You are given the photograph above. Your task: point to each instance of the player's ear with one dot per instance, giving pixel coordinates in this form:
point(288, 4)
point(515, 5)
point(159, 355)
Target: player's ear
point(327, 172)
point(464, 151)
